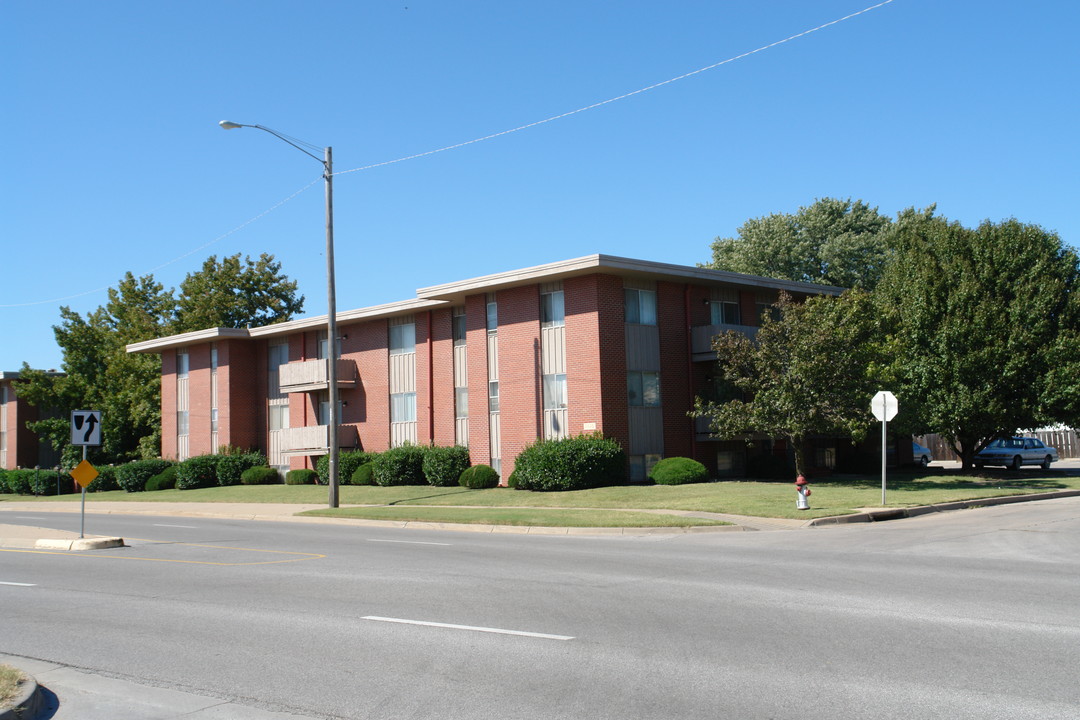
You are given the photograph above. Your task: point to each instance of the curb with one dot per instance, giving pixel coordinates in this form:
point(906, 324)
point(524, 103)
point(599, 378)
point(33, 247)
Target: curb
point(27, 704)
point(899, 513)
point(76, 544)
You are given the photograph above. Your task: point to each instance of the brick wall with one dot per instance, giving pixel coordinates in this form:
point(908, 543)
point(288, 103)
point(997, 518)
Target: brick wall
point(241, 395)
point(168, 404)
point(519, 371)
point(476, 339)
point(675, 394)
point(442, 376)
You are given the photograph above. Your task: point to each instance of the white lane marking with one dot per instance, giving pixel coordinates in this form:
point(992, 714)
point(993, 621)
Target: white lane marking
point(18, 584)
point(28, 517)
point(189, 527)
point(468, 627)
point(409, 542)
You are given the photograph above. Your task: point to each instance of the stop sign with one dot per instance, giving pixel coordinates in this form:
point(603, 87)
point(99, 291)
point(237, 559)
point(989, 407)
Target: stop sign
point(884, 406)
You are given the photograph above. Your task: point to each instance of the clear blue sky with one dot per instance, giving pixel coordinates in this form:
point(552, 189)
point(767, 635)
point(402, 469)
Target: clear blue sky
point(113, 159)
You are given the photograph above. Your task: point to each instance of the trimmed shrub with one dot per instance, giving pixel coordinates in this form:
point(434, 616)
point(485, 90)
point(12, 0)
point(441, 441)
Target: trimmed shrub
point(443, 466)
point(3, 482)
point(512, 481)
point(348, 461)
point(363, 475)
point(403, 465)
point(17, 481)
point(197, 472)
point(575, 463)
point(133, 476)
point(165, 480)
point(44, 482)
point(479, 477)
point(260, 475)
point(678, 471)
point(301, 477)
point(105, 481)
point(231, 467)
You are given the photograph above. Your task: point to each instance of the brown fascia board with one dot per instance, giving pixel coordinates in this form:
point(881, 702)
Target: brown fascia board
point(189, 338)
point(404, 307)
point(609, 264)
point(285, 328)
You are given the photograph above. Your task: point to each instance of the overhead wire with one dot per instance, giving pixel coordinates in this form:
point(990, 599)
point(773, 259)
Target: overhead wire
point(455, 146)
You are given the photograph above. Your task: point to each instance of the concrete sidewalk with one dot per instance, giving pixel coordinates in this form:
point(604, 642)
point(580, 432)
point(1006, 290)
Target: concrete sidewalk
point(88, 696)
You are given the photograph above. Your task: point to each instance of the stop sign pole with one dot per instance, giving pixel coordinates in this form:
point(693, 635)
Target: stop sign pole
point(884, 406)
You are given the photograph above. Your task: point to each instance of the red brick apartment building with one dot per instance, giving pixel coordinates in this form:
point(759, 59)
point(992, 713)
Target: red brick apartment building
point(594, 344)
point(19, 447)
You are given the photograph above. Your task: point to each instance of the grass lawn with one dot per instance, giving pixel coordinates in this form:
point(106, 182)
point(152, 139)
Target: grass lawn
point(519, 516)
point(839, 495)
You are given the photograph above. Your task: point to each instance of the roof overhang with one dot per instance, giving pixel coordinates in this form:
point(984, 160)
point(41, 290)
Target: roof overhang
point(611, 265)
point(190, 338)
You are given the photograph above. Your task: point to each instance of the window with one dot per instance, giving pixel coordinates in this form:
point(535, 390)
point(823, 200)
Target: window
point(767, 310)
point(461, 402)
point(213, 420)
point(279, 417)
point(213, 358)
point(724, 312)
point(643, 389)
point(182, 363)
point(640, 306)
point(554, 392)
point(552, 312)
point(403, 407)
point(402, 339)
point(493, 396)
point(458, 330)
point(492, 316)
point(182, 422)
point(641, 466)
point(277, 355)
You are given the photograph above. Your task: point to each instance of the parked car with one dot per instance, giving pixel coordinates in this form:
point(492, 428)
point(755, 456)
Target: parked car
point(920, 454)
point(1016, 451)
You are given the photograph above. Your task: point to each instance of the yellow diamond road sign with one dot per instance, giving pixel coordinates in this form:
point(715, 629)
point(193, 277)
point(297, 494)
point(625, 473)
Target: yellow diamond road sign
point(84, 473)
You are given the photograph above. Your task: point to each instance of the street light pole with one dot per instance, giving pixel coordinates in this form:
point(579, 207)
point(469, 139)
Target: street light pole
point(331, 304)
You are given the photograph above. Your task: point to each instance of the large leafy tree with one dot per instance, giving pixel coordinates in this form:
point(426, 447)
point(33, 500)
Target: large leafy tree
point(983, 327)
point(232, 294)
point(831, 242)
point(99, 374)
point(809, 371)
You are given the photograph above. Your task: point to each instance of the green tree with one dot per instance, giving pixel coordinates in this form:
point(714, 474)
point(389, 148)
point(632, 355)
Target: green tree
point(831, 242)
point(810, 371)
point(99, 374)
point(234, 294)
point(982, 325)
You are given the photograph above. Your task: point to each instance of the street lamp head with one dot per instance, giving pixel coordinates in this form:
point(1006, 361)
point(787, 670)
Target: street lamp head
point(229, 125)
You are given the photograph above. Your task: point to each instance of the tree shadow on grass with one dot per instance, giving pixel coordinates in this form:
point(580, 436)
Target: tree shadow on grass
point(1034, 480)
point(449, 491)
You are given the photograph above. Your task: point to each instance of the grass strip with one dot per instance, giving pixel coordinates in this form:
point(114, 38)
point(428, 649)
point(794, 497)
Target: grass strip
point(10, 679)
point(838, 495)
point(520, 517)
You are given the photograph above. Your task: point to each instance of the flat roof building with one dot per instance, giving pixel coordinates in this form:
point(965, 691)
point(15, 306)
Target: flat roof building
point(593, 344)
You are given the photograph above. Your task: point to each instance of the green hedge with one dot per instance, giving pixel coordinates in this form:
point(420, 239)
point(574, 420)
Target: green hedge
point(15, 481)
point(260, 475)
point(402, 465)
point(165, 480)
point(301, 477)
point(678, 471)
point(443, 466)
point(348, 461)
point(575, 463)
point(479, 477)
point(363, 475)
point(43, 482)
point(231, 466)
point(133, 476)
point(105, 481)
point(197, 472)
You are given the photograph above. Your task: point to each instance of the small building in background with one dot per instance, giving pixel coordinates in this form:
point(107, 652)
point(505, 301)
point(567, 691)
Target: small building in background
point(19, 446)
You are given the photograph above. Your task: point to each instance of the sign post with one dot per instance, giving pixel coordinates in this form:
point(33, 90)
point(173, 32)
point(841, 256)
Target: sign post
point(85, 431)
point(884, 406)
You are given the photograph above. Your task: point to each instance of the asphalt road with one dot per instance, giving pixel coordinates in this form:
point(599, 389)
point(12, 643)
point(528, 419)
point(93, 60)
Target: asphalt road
point(970, 614)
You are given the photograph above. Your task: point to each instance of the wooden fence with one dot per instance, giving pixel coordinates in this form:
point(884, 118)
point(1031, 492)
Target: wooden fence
point(1063, 440)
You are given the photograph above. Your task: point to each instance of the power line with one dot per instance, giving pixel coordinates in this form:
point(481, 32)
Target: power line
point(620, 97)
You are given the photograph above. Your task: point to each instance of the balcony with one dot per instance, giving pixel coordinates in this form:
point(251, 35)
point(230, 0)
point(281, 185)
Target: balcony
point(311, 440)
point(310, 375)
point(701, 338)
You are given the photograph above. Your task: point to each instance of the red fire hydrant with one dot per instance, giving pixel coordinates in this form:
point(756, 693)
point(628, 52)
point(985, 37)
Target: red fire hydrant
point(802, 487)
